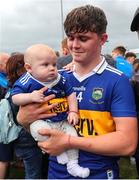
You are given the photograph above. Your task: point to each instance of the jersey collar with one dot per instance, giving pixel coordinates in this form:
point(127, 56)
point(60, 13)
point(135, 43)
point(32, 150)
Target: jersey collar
point(101, 66)
point(48, 84)
point(97, 70)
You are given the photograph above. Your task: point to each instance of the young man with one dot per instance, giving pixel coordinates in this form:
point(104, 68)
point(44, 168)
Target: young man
point(107, 125)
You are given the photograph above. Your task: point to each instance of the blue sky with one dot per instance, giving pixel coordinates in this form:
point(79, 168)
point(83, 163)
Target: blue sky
point(27, 22)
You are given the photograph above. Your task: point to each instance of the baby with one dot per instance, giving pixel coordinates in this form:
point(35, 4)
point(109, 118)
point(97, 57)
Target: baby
point(40, 63)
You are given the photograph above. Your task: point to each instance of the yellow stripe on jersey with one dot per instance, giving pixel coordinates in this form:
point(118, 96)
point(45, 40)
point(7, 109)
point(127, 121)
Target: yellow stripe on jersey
point(61, 107)
point(93, 123)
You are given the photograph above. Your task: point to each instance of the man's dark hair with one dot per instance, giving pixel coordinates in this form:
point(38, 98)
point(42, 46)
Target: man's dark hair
point(84, 19)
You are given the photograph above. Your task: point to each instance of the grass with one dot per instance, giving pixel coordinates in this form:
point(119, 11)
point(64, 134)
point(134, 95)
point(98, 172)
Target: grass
point(127, 170)
point(16, 173)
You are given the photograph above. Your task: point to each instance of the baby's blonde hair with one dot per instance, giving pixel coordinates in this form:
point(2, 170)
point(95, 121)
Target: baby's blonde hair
point(34, 51)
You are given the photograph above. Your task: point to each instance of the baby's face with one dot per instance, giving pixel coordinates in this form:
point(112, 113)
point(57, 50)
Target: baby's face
point(44, 68)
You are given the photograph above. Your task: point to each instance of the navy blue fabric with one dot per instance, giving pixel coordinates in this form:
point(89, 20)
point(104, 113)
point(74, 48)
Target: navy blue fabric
point(6, 152)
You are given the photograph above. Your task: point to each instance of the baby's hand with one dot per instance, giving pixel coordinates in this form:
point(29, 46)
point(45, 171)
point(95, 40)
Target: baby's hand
point(73, 118)
point(37, 96)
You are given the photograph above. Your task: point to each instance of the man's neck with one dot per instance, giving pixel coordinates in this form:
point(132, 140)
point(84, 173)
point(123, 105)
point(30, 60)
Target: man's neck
point(84, 68)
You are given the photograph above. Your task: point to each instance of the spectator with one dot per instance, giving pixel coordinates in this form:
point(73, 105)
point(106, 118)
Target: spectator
point(64, 47)
point(107, 124)
point(118, 54)
point(118, 51)
point(130, 57)
point(65, 58)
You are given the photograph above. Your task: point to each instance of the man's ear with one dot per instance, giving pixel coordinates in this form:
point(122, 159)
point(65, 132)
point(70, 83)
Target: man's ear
point(104, 38)
point(28, 67)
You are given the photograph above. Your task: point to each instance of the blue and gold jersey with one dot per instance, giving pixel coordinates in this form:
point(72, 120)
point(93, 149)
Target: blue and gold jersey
point(102, 94)
point(60, 87)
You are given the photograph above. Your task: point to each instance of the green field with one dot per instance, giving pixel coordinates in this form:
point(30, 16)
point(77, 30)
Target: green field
point(127, 170)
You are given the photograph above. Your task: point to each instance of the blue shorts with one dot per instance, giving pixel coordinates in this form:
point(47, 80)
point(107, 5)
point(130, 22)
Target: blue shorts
point(6, 152)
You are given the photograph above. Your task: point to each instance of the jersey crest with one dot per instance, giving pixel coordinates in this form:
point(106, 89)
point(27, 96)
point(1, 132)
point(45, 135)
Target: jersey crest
point(97, 93)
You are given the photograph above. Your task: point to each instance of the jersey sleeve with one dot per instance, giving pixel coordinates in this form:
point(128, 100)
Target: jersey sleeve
point(66, 85)
point(18, 88)
point(123, 102)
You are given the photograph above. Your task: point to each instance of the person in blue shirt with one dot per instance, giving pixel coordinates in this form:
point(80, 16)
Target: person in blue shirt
point(107, 126)
point(122, 64)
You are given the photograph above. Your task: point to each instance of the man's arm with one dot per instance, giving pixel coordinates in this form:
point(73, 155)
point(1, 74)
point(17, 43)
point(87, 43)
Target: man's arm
point(122, 142)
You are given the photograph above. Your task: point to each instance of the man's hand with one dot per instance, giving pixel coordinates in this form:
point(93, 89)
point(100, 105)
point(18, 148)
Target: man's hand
point(56, 143)
point(34, 111)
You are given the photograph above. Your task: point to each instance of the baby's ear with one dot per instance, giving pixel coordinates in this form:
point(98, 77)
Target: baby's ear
point(28, 67)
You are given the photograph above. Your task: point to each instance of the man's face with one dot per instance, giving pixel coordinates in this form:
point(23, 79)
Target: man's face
point(85, 46)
